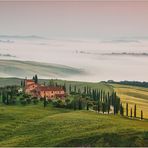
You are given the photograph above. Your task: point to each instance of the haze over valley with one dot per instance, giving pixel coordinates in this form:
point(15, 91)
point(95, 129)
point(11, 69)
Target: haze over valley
point(92, 60)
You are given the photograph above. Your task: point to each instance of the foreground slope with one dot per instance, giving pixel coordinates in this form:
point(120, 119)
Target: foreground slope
point(33, 125)
point(133, 95)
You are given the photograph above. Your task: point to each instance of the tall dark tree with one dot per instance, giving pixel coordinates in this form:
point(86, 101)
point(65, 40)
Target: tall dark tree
point(44, 102)
point(131, 112)
point(135, 109)
point(121, 110)
point(36, 79)
point(74, 105)
point(80, 104)
point(103, 107)
point(21, 83)
point(70, 89)
point(64, 87)
point(141, 114)
point(98, 107)
point(75, 89)
point(108, 106)
point(127, 109)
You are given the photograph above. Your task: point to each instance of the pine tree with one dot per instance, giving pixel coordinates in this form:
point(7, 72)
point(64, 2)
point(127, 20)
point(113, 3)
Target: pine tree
point(127, 109)
point(135, 111)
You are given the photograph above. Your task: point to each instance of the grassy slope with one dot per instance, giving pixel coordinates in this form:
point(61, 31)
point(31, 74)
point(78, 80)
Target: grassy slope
point(16, 68)
point(35, 126)
point(133, 95)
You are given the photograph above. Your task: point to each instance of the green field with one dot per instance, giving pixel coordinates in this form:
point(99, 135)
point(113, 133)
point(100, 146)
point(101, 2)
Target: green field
point(133, 95)
point(33, 125)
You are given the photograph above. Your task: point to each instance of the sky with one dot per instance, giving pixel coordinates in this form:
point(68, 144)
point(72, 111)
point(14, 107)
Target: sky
point(74, 19)
point(80, 34)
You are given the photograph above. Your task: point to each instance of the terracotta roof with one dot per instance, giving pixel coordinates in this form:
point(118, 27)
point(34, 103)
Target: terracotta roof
point(49, 88)
point(29, 80)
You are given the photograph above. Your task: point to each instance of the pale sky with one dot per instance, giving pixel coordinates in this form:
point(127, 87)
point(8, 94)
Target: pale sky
point(81, 19)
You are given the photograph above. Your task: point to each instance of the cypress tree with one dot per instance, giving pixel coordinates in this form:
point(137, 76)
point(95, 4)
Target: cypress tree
point(121, 109)
point(64, 87)
point(103, 107)
point(87, 105)
point(21, 83)
point(131, 112)
point(45, 102)
point(70, 89)
point(141, 114)
point(98, 108)
point(135, 111)
point(75, 89)
point(74, 105)
point(36, 79)
point(127, 109)
point(108, 106)
point(80, 104)
point(84, 89)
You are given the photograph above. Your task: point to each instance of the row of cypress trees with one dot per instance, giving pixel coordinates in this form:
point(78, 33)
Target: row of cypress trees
point(102, 101)
point(131, 112)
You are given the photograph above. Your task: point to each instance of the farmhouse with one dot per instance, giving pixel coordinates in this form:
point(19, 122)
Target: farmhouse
point(41, 91)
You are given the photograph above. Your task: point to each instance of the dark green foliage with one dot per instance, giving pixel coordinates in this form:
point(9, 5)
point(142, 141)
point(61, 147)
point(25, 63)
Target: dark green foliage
point(35, 78)
point(45, 102)
point(132, 83)
point(135, 109)
point(35, 100)
point(127, 109)
point(121, 110)
point(23, 101)
point(80, 103)
point(103, 107)
point(131, 113)
point(98, 106)
point(141, 114)
point(64, 87)
point(28, 100)
point(70, 90)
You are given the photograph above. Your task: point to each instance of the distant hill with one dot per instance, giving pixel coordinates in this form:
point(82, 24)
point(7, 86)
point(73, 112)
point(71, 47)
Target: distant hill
point(21, 69)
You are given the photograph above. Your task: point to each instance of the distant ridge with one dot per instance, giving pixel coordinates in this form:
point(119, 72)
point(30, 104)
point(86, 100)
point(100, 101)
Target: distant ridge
point(22, 36)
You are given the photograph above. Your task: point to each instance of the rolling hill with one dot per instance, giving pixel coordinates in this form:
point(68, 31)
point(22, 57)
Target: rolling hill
point(33, 125)
point(21, 69)
point(133, 95)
